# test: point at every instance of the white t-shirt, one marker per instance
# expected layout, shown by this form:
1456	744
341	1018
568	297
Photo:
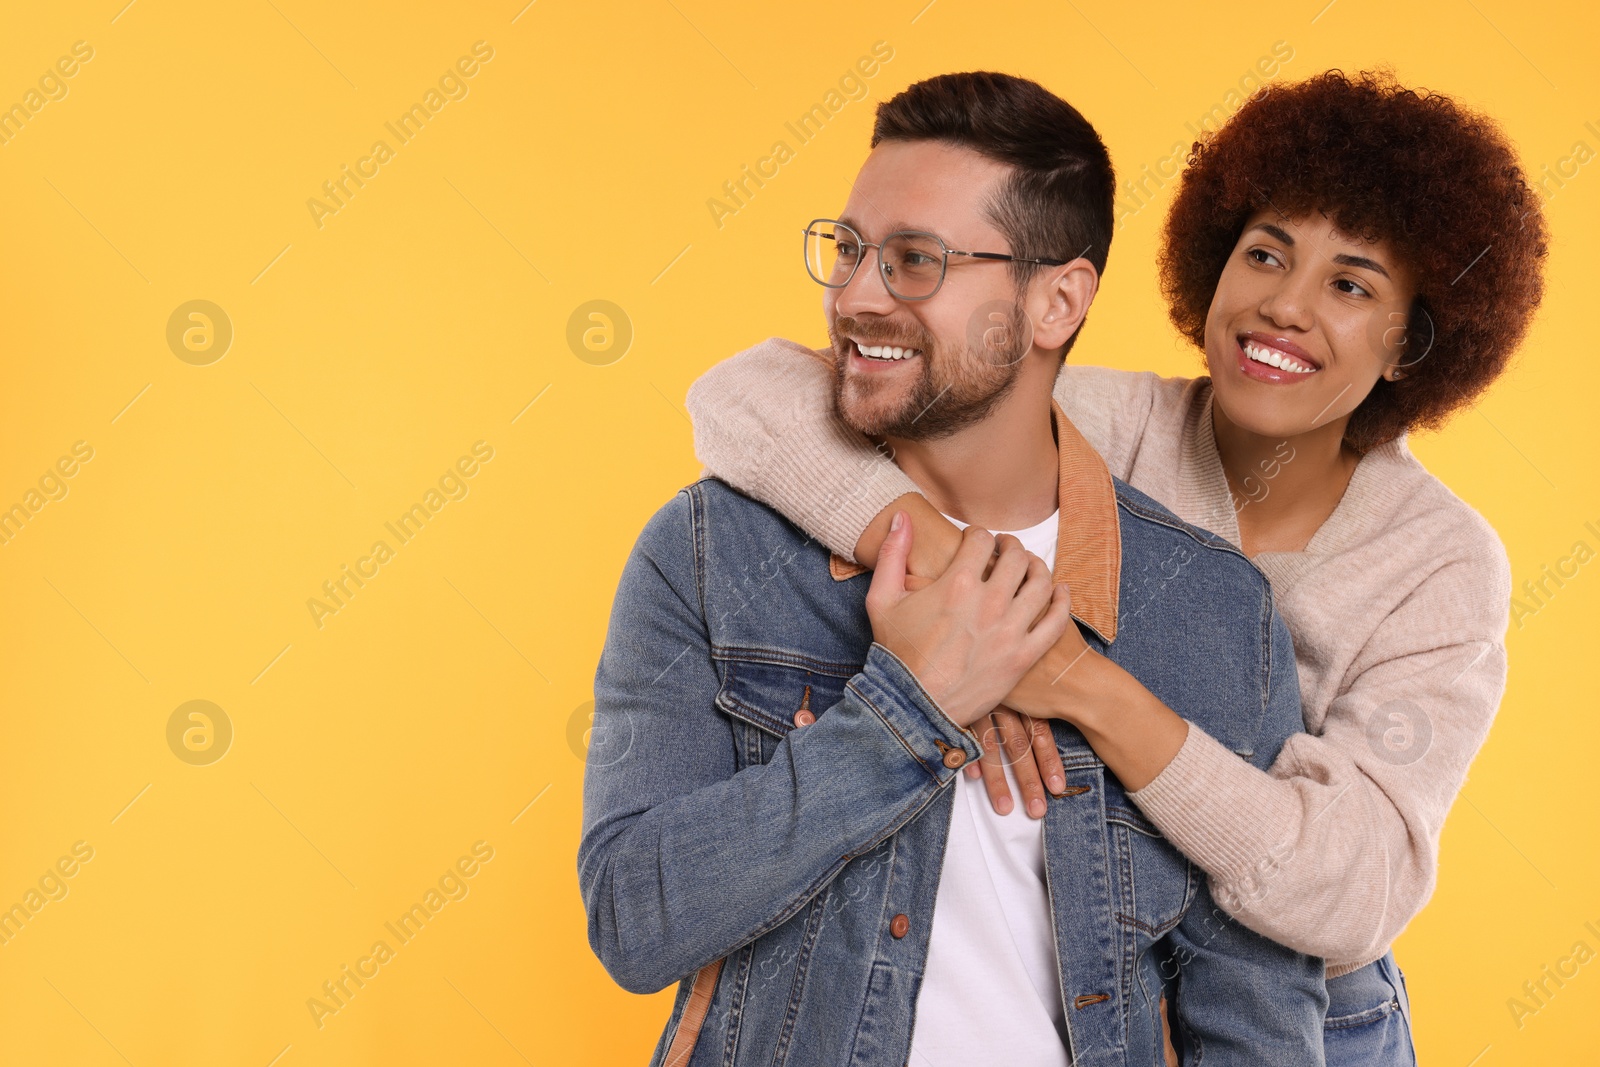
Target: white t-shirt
991	992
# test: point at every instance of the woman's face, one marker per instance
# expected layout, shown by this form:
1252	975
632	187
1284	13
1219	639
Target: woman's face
1304	321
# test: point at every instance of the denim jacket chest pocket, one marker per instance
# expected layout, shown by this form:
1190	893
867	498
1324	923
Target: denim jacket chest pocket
768	699
1155	882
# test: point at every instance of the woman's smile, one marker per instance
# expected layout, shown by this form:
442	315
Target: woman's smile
1273	359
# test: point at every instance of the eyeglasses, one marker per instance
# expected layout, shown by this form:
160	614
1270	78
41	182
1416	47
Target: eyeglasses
912	262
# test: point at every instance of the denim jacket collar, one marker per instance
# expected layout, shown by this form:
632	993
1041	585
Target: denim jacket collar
1088	539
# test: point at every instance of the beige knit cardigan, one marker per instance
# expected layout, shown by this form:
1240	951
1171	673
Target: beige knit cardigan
1397	605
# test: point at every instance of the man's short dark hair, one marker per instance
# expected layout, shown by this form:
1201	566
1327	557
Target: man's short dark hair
1057	201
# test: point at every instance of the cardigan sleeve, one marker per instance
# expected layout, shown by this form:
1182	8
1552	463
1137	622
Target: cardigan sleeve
765	423
1335	848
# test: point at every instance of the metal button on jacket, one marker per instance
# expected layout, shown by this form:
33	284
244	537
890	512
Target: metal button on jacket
954	758
899	925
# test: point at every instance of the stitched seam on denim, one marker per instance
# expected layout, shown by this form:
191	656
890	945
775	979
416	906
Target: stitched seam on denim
758	717
899	819
866	997
895	824
735	1013
1215	541
1156	932
1360	1018
1133	820
1125	853
753	715
1208	539
1191	885
784	658
1266	663
794	907
1151	1003
1128	968
1124	847
797	986
875	842
1203	536
939	715
736	994
898	736
756	743
697	535
1199	534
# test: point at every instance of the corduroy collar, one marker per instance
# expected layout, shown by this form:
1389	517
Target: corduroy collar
1088	535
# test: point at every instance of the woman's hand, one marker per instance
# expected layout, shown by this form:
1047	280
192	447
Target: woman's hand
1029	747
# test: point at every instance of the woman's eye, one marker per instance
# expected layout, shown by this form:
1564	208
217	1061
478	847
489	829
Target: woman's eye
1262	256
1356	289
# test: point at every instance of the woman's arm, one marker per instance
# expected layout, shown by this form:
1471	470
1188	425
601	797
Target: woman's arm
1335	849
765	423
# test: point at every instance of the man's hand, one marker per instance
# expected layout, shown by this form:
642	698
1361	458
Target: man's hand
970	634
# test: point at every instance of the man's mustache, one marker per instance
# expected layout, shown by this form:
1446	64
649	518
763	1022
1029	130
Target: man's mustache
846	328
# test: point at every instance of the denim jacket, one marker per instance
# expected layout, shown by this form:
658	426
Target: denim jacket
784	874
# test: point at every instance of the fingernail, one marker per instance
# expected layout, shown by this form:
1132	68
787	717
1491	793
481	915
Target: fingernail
894	523
1036	808
1003	805
1057	783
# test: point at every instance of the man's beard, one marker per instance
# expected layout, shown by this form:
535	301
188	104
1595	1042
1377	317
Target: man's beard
955	388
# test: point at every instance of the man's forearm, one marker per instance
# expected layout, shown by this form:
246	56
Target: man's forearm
694	875
1129	728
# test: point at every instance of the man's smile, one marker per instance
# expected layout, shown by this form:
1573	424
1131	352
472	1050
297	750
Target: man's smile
876	356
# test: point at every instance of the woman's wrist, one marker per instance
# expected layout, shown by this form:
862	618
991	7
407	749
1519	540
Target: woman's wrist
933	545
1128	726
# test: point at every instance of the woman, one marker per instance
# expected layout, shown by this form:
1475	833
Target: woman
1354	260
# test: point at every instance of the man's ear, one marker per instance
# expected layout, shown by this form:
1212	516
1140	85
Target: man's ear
1060	300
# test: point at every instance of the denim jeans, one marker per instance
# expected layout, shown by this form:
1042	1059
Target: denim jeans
1369	1018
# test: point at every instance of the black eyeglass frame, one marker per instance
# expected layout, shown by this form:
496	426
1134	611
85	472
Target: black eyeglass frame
992	257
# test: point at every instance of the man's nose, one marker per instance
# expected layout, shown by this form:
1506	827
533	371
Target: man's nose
866	290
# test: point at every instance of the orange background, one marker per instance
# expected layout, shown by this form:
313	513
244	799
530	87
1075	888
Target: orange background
366	751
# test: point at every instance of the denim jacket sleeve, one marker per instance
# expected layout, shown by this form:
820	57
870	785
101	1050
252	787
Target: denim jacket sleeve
1243	999
685	857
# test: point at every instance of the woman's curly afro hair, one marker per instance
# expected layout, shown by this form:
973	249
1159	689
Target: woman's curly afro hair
1437	181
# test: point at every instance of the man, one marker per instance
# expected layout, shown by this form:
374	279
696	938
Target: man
773	811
